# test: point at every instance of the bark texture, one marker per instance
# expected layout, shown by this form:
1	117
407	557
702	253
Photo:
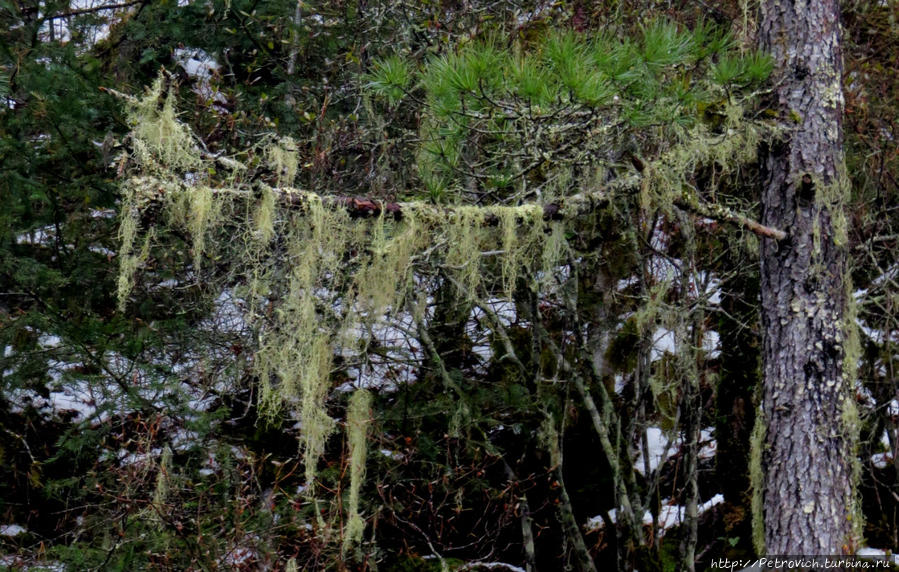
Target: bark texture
808	489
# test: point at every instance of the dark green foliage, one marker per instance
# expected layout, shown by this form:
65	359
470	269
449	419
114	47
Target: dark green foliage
496	118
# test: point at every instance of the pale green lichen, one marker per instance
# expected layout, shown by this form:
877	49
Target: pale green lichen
161	143
757	481
521	230
850	414
358	422
548	438
204	210
381	281
283	157
666	179
163	484
128	261
555	252
464	236
264	216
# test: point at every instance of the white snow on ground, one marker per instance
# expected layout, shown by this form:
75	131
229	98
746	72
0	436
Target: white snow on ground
127	457
664	341
662	447
13	562
78	396
12	530
711	343
659	446
396	456
107	252
670	515
48	341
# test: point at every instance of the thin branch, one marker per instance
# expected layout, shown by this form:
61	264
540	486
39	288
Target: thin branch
724	214
564	208
91	10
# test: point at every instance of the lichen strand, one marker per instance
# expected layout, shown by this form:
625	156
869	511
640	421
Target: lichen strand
128	229
283	157
757	481
464	236
667	178
522	233
832	196
264	216
358	422
163	485
382	279
204	210
161	143
850	414
554	253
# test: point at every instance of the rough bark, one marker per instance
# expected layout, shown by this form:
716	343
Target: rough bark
808	488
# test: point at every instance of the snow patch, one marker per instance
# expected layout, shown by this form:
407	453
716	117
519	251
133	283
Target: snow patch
660	447
670	515
881	460
12	530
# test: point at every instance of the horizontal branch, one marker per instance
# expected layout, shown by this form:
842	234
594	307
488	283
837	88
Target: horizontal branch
570	207
566	208
369	208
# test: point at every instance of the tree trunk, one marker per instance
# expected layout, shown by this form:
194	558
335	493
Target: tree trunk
808	489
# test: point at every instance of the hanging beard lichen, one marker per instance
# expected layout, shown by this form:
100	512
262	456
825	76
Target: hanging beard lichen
380	283
666	180
203	209
161	492
128	230
161	143
316	279
334	274
358	421
522	234
264	217
283	157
